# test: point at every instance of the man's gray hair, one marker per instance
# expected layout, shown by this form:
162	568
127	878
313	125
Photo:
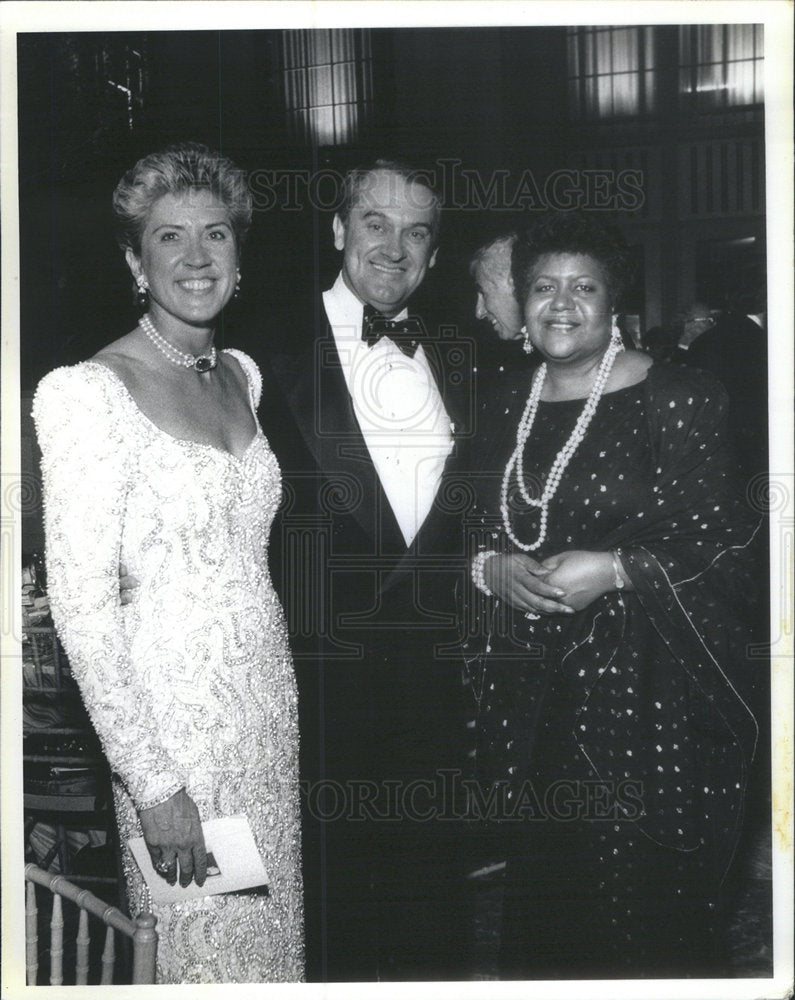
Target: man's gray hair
498	249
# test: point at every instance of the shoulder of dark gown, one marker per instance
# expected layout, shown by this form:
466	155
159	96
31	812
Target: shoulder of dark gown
682	382
499	385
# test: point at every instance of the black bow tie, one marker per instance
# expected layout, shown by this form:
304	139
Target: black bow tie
405	333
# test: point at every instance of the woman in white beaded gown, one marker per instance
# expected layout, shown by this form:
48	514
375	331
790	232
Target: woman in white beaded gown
153	457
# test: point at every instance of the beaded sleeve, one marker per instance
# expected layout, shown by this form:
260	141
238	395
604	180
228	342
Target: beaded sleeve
87	463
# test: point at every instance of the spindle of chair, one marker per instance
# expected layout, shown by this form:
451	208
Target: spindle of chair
56	942
31	934
141	930
83	941
108	957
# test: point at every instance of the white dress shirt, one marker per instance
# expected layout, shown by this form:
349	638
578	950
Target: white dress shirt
399	409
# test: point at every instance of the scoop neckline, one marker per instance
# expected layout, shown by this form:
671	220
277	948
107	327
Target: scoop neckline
605	395
172	437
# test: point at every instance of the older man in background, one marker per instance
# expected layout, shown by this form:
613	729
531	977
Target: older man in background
496	300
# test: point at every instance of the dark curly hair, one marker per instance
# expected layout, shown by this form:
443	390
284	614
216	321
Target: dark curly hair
176	169
572	233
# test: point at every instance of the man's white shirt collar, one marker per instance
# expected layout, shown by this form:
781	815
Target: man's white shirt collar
399	409
345	311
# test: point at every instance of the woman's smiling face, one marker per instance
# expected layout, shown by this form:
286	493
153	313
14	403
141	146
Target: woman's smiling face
567	309
189	257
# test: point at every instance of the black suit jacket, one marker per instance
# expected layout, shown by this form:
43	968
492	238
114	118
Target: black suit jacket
370	619
735	350
381	703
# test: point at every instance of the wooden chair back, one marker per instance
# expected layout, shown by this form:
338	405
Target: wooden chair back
141	931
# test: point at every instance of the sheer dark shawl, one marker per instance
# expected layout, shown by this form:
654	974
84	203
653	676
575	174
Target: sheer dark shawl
690	551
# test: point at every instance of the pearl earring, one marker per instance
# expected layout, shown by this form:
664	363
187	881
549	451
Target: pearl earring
237	287
527	347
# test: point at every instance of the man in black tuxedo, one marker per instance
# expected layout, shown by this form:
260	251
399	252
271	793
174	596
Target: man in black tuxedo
360	410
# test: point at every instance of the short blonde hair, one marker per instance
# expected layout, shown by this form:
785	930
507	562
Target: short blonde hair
187	166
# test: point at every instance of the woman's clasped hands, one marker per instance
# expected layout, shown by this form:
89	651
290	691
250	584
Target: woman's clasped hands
560	584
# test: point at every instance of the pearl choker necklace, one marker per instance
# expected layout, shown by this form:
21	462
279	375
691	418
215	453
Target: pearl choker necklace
563	457
202	362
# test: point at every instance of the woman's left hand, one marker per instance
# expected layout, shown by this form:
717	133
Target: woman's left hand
173	834
583	576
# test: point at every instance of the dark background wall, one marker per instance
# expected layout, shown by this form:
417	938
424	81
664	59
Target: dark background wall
485	100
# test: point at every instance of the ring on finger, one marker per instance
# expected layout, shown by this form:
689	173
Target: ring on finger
162	867
531	616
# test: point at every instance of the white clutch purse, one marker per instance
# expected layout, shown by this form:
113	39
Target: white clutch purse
233	863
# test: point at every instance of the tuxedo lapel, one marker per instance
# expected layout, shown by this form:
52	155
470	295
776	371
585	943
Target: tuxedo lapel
316	392
447	362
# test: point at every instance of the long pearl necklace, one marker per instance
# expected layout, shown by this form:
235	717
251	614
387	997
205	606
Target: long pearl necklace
201	362
564	456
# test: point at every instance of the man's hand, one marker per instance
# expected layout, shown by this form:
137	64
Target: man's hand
173	833
523	583
582	576
127	585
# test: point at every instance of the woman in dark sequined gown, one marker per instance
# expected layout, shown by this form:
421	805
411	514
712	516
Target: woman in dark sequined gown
603	634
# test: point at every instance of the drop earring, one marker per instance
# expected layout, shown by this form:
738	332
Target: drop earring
143	291
237	286
527	347
615	333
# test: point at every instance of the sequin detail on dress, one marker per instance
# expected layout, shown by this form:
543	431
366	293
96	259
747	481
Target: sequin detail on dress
192	684
640	694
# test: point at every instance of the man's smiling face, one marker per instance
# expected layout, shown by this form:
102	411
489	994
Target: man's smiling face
388	240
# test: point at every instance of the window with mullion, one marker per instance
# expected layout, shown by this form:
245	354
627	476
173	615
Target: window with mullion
611	71
327	83
720	65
